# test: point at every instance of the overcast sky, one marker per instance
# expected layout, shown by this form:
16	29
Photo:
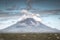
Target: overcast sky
40	4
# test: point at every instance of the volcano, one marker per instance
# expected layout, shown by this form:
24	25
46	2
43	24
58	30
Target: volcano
29	24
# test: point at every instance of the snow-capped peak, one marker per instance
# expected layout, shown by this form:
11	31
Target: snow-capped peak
27	14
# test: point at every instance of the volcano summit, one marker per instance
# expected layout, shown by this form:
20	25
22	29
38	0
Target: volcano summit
29	23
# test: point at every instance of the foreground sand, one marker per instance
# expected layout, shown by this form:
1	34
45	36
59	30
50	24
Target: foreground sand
30	36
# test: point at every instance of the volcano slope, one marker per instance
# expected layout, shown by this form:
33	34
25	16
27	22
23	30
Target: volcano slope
29	25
